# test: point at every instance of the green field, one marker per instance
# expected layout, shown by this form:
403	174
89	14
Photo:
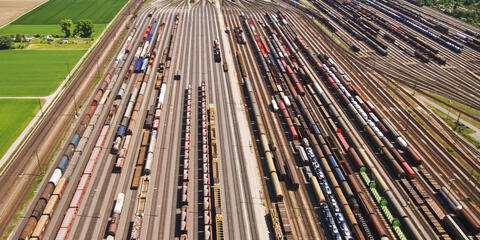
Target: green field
16	114
42	30
99	11
41	67
44	19
34	72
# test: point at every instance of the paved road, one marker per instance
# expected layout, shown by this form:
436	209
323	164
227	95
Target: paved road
475	135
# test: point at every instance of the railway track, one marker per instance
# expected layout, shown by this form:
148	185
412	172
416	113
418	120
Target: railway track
97	213
400	62
149	156
48	133
108	184
376	90
301	228
452	144
257	28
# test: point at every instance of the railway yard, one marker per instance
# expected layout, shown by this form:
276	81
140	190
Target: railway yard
259	120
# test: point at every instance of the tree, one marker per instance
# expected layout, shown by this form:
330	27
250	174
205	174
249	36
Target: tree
18	38
66	26
84	28
5	42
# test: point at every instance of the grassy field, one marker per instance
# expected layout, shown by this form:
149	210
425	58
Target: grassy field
42	30
44	19
34	72
41	67
16	114
99	11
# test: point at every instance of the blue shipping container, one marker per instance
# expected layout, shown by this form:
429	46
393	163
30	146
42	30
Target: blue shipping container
62	165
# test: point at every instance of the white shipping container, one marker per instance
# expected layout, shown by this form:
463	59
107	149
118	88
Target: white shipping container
287	101
119	204
57	174
274	105
402	142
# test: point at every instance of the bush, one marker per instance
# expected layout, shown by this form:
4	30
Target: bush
5	42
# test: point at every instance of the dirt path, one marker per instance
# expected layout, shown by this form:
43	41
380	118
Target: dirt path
11	9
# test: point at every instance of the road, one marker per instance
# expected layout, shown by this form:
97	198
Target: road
475	134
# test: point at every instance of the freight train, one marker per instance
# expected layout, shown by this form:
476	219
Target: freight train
53	191
416	27
398	209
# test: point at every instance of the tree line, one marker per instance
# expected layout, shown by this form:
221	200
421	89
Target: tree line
84	27
466	10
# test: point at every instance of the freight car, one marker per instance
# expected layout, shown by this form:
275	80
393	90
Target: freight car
405	220
454	229
366	110
121	130
415	26
452	202
421	56
379	230
472	33
340	222
388	38
183	219
465	216
373	134
207	196
57	182
439	27
264	141
117	210
216	51
398	209
468	221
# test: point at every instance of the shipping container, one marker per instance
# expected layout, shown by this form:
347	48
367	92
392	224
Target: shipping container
77	198
60	188
51	205
69	217
42	223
